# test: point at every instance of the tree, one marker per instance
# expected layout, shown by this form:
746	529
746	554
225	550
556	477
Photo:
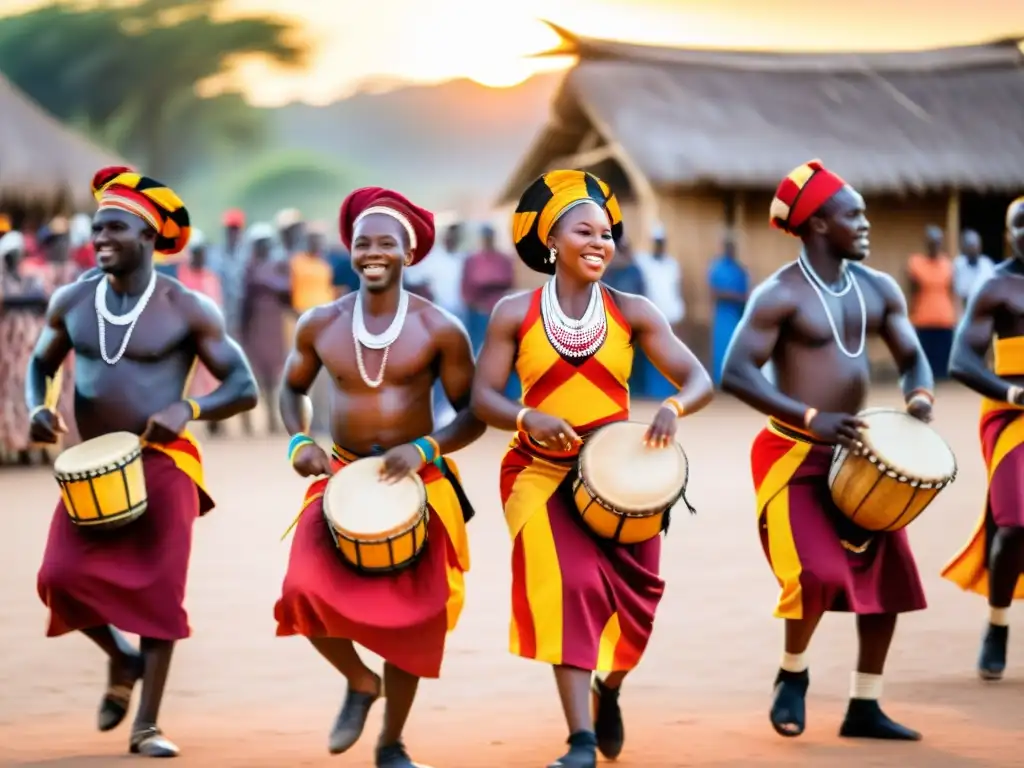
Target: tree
311	182
132	73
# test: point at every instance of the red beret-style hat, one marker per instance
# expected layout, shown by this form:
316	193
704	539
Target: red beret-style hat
417	222
801	194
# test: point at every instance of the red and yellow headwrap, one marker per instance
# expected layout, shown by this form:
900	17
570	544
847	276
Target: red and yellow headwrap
548	199
156	204
801	194
417	222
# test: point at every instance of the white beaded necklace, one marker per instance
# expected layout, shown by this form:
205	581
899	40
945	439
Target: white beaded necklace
571	337
851	282
363	338
130	318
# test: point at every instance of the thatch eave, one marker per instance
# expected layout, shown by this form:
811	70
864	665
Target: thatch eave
42	160
893	123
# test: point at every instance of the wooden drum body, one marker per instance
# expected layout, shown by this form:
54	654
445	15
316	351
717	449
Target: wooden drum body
901	468
378	528
102	481
623	489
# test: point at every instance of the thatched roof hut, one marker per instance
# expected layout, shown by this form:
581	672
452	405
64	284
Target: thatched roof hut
698	139
42	162
895	122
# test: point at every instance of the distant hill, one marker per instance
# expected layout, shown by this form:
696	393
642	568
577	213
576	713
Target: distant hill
441	144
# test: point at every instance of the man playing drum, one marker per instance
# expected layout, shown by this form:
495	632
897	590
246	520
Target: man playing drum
384	349
813	328
992	563
579	604
136	337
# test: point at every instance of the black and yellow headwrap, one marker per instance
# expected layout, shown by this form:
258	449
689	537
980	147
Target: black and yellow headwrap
153	202
545	201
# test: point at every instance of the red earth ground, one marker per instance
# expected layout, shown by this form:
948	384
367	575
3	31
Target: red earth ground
239	696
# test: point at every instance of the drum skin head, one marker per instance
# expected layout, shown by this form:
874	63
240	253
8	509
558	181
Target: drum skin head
627	474
907	445
357	501
97	452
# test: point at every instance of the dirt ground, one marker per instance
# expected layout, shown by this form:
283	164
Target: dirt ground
238	696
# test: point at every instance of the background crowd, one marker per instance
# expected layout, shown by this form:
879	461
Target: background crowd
263	275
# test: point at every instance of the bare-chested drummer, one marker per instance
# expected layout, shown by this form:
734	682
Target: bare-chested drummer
992	563
136	336
812	320
384	349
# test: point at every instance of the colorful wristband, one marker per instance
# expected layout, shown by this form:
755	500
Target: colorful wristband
428	449
196	410
297	443
435	445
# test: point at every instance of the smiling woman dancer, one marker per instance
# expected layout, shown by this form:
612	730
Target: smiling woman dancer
577	604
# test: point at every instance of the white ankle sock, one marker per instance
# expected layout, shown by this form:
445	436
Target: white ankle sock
999	617
865	686
794	662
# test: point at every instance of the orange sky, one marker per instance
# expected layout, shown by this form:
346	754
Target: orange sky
487	40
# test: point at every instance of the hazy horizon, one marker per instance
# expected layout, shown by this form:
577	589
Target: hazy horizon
396	42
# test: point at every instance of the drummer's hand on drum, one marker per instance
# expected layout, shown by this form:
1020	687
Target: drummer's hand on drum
46	426
920	409
312	461
663	428
550	431
401	461
842	428
165	426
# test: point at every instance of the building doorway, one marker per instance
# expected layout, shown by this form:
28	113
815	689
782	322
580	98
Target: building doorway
986	215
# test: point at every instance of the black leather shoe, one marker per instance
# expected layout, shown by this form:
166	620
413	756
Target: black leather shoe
607	719
992	659
866	720
582	752
395	756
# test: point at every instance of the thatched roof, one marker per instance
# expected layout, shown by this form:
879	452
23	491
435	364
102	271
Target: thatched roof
889	122
40	158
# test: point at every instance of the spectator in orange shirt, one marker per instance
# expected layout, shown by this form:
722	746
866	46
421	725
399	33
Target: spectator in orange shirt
932	301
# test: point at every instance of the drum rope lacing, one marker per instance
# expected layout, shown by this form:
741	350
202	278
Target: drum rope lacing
851	282
363	338
130	318
571	337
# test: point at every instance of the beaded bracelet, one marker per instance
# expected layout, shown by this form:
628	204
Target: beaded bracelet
299	441
196	410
